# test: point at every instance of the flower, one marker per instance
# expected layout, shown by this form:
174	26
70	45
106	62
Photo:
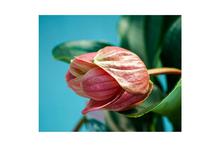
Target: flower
112	78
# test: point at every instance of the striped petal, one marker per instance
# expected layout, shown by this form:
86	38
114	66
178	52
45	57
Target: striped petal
81	64
99	85
128	100
97	105
75	84
125	67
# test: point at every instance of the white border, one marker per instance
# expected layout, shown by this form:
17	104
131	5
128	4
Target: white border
19	71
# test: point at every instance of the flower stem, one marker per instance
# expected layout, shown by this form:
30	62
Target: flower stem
79	124
164	70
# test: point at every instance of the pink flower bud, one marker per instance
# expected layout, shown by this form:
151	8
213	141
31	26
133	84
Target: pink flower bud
113	78
99	85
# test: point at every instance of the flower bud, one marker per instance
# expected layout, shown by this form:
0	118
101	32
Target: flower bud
113	78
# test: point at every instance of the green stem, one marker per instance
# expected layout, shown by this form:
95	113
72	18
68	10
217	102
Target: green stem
164	70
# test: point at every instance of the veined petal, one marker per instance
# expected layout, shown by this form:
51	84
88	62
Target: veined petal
75	84
69	76
97	105
125	67
99	85
128	100
81	64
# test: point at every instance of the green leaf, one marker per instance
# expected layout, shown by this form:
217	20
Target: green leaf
66	51
167	22
171	51
169	106
141	34
171	102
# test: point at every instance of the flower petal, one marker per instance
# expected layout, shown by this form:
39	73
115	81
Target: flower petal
75	84
81	64
97	105
128	100
99	85
125	67
69	76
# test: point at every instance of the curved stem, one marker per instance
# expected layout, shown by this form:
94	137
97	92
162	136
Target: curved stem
79	124
164	70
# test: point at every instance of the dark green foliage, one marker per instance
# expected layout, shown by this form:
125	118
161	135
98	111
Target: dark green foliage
171	51
66	51
141	34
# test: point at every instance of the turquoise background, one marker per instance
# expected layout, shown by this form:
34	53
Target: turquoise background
59	107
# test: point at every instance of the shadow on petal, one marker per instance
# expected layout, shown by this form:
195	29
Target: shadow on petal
129	100
97	105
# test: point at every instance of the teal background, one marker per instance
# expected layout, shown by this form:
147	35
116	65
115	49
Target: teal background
59	107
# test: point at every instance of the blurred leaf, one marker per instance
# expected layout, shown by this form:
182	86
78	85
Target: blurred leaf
119	122
168	20
145	107
95	125
66	51
141	34
158	123
171	51
95	121
171	106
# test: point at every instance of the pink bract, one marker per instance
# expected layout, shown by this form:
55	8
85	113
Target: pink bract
112	78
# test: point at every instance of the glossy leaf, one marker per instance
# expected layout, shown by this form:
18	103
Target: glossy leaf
171	106
167	23
68	50
168	20
171	102
171	51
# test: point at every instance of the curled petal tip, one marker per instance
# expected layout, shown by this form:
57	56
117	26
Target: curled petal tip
93	105
82	64
129	100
